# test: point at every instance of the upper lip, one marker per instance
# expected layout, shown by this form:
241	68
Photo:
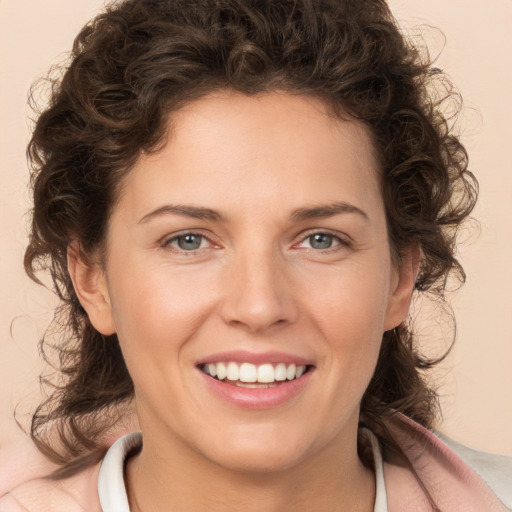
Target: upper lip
241	356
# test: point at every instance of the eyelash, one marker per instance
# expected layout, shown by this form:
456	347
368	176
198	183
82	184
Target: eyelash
341	241
166	243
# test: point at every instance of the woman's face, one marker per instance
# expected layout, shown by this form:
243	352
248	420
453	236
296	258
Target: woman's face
253	243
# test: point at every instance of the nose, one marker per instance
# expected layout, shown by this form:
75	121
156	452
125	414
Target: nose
259	293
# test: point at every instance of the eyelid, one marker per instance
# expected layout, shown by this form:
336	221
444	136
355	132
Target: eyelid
344	239
165	241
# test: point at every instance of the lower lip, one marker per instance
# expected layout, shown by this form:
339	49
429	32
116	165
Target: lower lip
257	398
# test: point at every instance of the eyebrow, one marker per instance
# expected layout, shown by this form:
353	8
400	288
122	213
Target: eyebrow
328	210
194	212
299	215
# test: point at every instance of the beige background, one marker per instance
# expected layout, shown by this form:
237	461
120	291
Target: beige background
476	381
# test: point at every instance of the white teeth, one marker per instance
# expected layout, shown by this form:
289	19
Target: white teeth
280	372
290	371
299	371
255	385
212	369
221	371
232	372
254	374
248	372
266	373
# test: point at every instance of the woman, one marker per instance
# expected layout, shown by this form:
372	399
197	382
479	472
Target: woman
236	201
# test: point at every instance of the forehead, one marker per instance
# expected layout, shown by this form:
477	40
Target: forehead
253	149
259	120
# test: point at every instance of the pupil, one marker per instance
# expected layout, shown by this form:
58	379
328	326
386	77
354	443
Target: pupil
189	242
321	241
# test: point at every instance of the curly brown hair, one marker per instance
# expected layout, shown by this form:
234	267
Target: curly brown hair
141	60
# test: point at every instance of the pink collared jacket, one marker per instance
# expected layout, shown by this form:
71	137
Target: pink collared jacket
445	476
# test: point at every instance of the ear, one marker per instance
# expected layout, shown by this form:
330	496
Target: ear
90	285
402	287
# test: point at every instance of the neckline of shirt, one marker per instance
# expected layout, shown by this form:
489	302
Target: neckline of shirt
112	489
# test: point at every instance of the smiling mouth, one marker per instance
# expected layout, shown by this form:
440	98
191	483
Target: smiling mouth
248	375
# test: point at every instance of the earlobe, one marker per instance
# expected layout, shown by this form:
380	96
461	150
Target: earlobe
403	287
90	286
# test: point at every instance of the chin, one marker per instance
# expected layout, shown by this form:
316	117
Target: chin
258	455
259	462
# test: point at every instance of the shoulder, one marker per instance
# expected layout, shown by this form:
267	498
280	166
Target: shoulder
495	470
74	494
455	476
25	485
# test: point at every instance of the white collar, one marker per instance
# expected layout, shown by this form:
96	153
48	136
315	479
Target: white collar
112	491
111	488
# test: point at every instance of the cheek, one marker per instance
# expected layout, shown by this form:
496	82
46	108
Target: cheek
352	303
160	310
350	315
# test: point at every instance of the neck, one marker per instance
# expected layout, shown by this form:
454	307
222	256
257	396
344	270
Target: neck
173	477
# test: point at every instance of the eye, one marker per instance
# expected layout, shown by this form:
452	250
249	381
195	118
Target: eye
188	242
322	241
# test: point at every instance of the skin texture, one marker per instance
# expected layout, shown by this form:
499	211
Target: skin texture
256	283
